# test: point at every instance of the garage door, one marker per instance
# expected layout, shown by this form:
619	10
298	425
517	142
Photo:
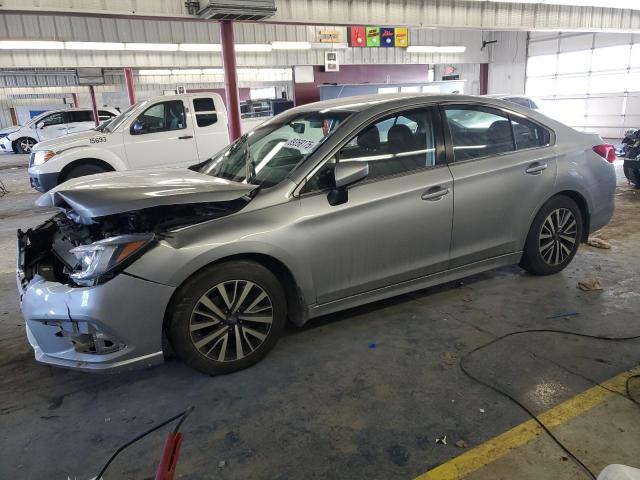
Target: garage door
590	81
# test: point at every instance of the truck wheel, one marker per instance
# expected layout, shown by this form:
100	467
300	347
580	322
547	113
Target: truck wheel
633	175
82	171
226	317
25	144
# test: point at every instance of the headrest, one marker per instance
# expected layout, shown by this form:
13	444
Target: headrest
369	139
499	131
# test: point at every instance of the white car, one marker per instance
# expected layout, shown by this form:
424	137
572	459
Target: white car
174	130
522	100
53	124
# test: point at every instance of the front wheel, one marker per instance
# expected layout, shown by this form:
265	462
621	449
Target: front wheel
553	238
226	317
82	171
633	175
24	145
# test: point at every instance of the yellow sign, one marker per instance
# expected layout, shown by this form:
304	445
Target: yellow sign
402	37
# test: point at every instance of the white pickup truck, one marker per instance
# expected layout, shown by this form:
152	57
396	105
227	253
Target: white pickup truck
174	130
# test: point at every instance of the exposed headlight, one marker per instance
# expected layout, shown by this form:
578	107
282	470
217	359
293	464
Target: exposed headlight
101	260
41	156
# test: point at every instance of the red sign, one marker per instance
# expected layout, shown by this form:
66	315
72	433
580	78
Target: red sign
357	37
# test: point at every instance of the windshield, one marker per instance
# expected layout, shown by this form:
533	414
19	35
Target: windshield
266	155
120	119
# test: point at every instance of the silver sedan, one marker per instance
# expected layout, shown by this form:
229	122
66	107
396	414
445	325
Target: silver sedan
325	207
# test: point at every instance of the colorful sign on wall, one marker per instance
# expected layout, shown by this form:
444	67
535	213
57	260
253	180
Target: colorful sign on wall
402	37
378	37
357	37
373	36
387	37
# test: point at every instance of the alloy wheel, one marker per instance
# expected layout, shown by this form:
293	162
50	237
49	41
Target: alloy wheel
231	320
558	236
26	144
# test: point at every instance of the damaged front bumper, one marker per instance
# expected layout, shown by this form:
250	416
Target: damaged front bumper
113	326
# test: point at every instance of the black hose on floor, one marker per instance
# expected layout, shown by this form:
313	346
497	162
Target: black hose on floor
571	455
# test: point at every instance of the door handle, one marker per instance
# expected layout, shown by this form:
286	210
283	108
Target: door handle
185	137
536	168
61	128
435	193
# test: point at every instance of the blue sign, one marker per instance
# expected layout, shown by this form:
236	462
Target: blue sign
387	37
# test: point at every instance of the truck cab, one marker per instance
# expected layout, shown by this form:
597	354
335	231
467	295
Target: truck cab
172	130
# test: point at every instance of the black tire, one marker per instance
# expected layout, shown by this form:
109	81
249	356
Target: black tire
633	175
82	170
182	316
24	145
539	256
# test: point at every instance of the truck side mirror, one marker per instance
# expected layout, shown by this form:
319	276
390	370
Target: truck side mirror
138	128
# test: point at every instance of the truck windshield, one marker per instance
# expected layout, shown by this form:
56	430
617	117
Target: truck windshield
266	155
117	121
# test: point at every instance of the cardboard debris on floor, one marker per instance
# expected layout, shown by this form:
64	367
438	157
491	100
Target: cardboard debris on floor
598	243
592	285
461	444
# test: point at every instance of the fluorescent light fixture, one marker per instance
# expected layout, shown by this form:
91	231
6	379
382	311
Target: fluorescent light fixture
200	47
329	45
187	71
252	47
94	46
30	45
291	45
152	47
435	49
154	72
213	71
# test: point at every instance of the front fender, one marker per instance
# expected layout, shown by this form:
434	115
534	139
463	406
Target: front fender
80	152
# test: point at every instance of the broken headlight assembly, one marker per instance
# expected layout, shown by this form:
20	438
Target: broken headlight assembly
100	261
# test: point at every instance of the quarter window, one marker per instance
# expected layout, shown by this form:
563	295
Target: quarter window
478	131
205	111
161	117
528	134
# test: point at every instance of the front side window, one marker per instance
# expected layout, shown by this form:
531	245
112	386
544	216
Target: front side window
104	115
53	119
478	131
266	155
205	111
161	117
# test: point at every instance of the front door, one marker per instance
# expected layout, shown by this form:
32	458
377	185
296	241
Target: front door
52	126
502	170
396	224
162	135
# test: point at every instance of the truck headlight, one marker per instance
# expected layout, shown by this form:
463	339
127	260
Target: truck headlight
41	156
101	260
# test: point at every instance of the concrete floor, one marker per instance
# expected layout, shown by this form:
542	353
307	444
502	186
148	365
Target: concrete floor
325	405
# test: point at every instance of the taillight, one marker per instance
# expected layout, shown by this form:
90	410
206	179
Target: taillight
606	151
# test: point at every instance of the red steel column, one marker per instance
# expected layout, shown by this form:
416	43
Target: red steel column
128	80
94	106
74	98
230	79
484	78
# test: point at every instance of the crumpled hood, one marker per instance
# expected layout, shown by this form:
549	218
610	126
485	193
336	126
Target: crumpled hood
79	139
117	192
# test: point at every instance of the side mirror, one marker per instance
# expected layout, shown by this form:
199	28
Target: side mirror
298	127
346	174
40	126
138	127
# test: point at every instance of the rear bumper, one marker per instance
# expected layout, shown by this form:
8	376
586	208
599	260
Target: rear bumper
109	327
602	210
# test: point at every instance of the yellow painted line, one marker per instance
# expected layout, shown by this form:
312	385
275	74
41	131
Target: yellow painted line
498	447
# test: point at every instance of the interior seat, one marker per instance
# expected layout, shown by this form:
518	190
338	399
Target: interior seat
499	137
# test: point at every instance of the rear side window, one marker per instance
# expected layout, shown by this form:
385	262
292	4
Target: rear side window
528	134
478	131
80	116
205	111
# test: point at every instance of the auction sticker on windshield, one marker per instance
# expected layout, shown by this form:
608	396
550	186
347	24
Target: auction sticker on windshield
305	146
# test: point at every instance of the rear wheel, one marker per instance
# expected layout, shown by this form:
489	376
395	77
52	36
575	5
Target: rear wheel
553	238
633	175
227	317
82	171
25	144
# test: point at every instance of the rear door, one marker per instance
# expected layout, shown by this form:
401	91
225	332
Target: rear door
210	126
396	224
80	121
162	135
503	169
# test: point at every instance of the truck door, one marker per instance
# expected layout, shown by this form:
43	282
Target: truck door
162	135
210	123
